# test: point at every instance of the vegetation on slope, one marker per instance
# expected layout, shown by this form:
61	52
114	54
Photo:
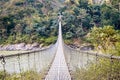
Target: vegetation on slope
103	70
36	20
79	17
26	21
33	21
107	40
28	75
105	36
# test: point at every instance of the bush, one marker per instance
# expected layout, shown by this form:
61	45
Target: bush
28	75
68	41
50	40
103	70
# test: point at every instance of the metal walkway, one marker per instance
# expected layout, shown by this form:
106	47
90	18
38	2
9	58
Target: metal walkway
59	69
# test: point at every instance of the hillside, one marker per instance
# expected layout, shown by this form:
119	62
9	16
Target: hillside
24	20
31	21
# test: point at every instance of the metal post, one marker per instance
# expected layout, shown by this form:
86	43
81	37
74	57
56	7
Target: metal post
41	59
87	58
28	61
4	70
96	65
118	70
14	66
111	67
34	62
19	65
82	60
78	58
39	67
70	63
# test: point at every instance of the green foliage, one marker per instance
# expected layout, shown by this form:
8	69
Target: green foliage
26	21
110	16
50	40
115	4
79	19
69	35
31	17
28	75
102	70
106	38
68	41
29	39
10	40
2	41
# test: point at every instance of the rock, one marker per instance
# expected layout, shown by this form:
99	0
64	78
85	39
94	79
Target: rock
89	47
74	46
35	45
6	47
11	47
20	46
28	47
41	45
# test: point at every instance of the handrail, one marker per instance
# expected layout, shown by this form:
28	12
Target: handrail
23	53
95	53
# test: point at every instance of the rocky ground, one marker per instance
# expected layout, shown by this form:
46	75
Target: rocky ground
37	46
82	47
20	46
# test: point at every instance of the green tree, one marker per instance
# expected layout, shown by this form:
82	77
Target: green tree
104	38
110	16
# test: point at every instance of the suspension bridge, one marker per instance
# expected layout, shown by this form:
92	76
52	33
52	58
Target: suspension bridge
59	60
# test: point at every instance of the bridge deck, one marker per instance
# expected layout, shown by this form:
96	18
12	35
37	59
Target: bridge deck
59	69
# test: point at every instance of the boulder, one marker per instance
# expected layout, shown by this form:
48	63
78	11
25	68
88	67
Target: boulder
28	47
20	46
35	45
6	47
11	47
41	45
74	46
86	48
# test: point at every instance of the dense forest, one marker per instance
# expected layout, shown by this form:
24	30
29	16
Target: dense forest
27	21
31	21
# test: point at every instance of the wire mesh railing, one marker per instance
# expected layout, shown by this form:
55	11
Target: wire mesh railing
34	60
84	65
